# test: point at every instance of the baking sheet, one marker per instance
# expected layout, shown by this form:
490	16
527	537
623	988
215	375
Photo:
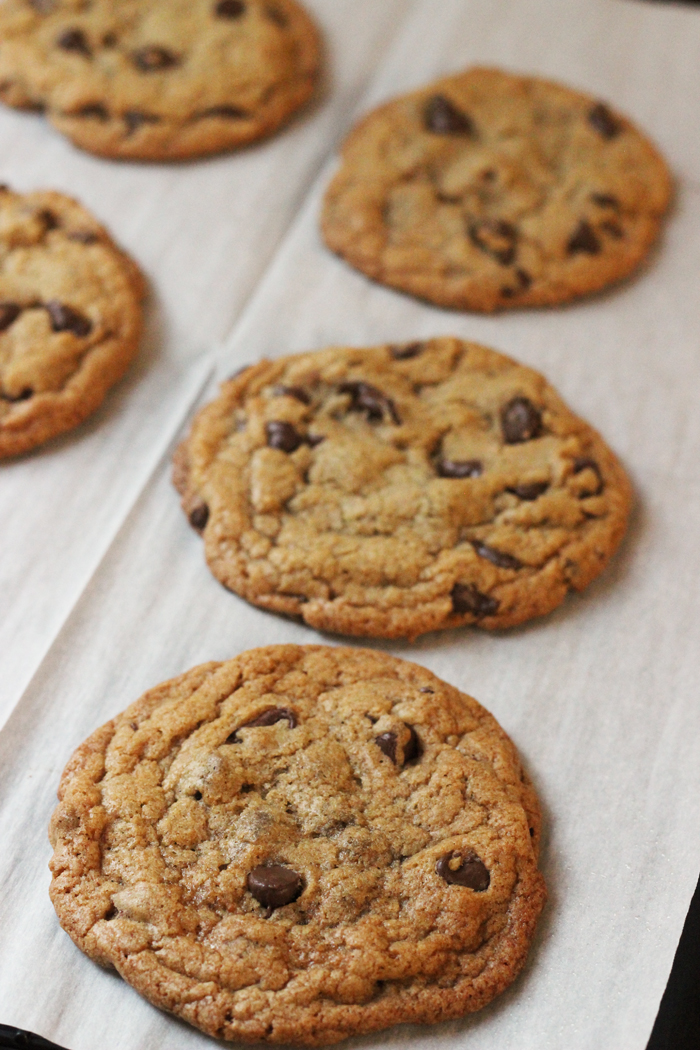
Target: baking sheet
601	696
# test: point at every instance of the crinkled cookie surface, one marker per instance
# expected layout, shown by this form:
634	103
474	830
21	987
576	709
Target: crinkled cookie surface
301	844
487	190
400	489
70	316
158	79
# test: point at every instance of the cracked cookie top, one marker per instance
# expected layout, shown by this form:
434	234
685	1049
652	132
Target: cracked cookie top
487	190
396	490
301	844
158	79
70	316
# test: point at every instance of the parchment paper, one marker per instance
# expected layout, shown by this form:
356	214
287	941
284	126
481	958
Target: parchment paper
600	697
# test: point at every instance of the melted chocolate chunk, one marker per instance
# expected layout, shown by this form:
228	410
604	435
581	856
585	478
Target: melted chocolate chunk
135	119
467	599
583	240
366	398
153	59
270	717
48	218
74	40
496	238
442	117
605	200
472	872
199	516
224	113
584	463
388	743
520	421
283	436
529	491
296	392
274	885
229	9
93	110
603	121
404	353
496	557
9	312
66	319
460	468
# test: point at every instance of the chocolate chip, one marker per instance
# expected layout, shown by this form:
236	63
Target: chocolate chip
224	113
74	40
199	516
524	283
605	200
66	319
366	398
467	599
496	557
283	436
412	748
274	885
520	421
153	59
197	796
9	312
529	492
460	468
82	236
472	872
313	440
92	110
111	913
269	717
296	392
23	396
135	119
409	350
386	742
583	240
584	463
496	238
109	40
48	218
443	118
229	9
603	121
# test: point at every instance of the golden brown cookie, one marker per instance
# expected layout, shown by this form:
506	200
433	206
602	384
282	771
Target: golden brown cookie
70	316
299	845
158	79
487	190
401	489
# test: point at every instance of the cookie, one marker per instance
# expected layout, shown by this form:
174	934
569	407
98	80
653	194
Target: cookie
487	191
158	79
401	489
70	316
301	844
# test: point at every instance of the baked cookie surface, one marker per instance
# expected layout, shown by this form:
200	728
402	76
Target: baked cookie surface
397	490
158	79
487	190
301	844
70	316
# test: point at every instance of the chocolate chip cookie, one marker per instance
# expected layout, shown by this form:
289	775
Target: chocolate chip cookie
487	190
70	316
158	79
400	489
299	845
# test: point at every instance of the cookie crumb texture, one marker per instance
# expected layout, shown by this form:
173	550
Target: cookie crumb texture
401	489
70	316
158	79
486	191
299	845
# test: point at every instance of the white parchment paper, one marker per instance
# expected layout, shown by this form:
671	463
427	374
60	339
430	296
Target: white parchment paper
601	697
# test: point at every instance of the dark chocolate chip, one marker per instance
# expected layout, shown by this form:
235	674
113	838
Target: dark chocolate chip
603	121
443	118
496	557
520	421
48	218
584	463
583	240
82	236
386	742
199	516
9	312
135	119
366	398
229	9
269	717
467	599
313	440
152	59
66	319
472	872
92	110
612	227
412	749
197	796
274	885
409	350
296	392
460	468
529	492
224	113
74	40
283	436
23	396
496	238
111	913
605	200
524	279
